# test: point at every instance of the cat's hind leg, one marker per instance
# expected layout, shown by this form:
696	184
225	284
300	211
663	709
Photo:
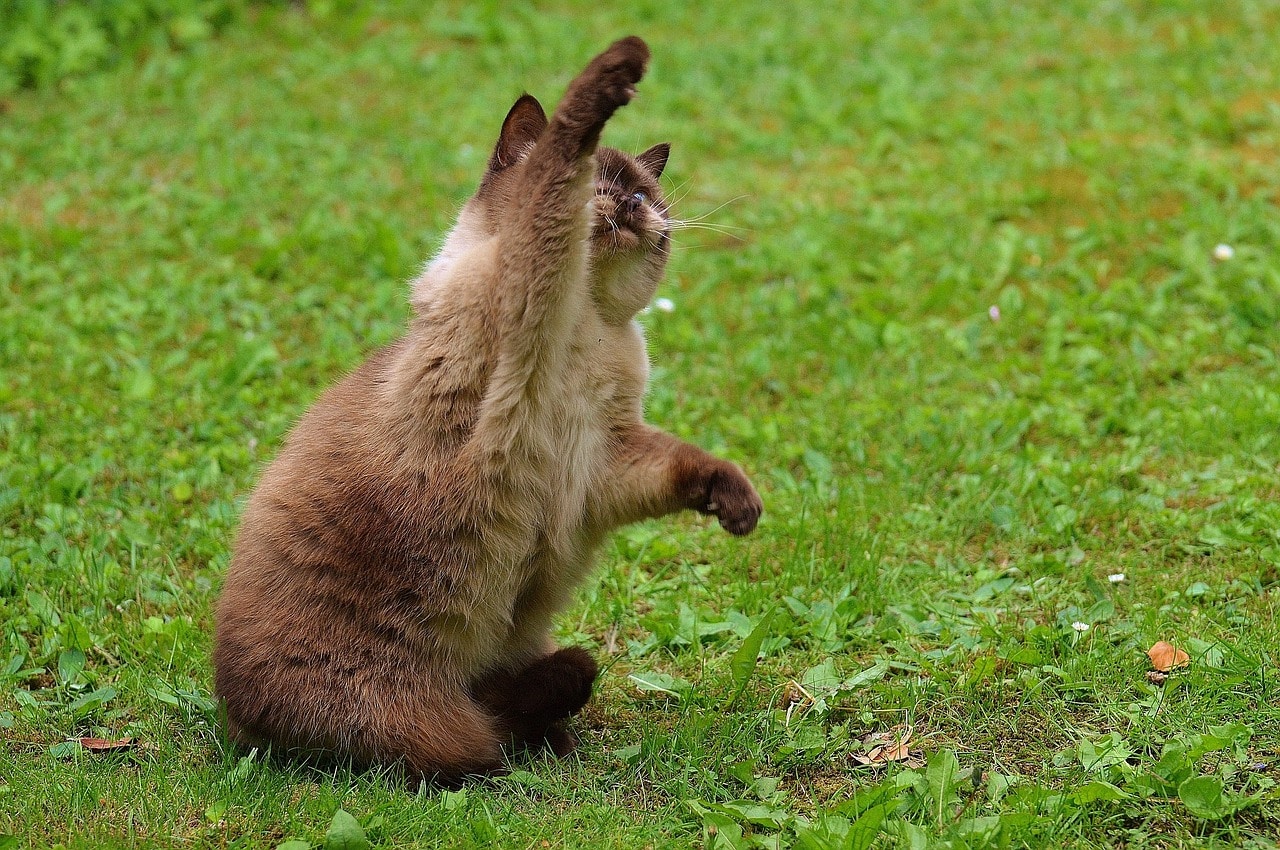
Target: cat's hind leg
532	703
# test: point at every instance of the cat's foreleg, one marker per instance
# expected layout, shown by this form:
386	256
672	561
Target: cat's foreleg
545	227
654	474
543	240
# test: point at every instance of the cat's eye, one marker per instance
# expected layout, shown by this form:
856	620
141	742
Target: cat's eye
640	197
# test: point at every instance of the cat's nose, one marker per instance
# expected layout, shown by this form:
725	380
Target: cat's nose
629	204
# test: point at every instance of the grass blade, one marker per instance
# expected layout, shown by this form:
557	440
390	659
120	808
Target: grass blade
744	661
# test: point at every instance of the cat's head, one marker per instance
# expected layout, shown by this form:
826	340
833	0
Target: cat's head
630	231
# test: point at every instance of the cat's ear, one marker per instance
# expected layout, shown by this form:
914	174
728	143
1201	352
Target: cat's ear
655	159
521	129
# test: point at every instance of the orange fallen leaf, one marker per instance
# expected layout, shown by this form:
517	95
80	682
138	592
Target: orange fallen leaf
893	745
102	745
1165	657
897	735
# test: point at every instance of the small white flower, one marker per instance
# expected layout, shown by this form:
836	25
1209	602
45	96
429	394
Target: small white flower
1115	578
666	305
1223	252
1080	627
994	312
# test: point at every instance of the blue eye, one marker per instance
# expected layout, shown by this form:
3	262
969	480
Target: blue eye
640	197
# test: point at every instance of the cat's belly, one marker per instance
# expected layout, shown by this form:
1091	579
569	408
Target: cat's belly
557	548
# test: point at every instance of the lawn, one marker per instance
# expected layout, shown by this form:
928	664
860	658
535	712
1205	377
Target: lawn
987	303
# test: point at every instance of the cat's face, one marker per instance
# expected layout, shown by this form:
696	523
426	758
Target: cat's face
628	211
630	231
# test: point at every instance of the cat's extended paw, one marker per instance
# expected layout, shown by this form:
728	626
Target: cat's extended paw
733	501
606	84
614	73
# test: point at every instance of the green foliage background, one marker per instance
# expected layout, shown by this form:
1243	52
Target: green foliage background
44	41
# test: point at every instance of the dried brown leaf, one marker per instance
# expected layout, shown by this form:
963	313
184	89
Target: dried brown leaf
897	753
866	758
1165	657
893	745
897	735
103	745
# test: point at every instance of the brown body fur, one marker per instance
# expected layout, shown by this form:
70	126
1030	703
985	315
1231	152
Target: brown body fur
392	587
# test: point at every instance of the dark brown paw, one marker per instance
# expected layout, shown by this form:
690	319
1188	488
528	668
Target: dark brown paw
606	84
560	741
573	671
733	500
615	73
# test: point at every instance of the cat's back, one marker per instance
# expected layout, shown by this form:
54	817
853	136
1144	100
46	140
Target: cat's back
336	504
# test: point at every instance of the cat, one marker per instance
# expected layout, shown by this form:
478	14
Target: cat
391	591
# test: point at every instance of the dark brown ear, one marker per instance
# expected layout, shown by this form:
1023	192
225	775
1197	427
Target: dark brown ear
655	159
522	127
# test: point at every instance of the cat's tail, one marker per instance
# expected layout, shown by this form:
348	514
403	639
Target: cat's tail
433	734
443	741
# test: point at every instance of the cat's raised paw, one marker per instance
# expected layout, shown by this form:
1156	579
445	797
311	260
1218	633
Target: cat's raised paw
619	68
608	82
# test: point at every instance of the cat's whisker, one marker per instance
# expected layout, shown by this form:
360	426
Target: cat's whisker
673	247
679	192
685	223
699	222
717	209
723	230
616	176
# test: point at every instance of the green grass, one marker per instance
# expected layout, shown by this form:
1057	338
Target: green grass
193	245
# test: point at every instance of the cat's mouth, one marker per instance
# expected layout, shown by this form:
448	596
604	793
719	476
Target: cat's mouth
614	235
620	226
